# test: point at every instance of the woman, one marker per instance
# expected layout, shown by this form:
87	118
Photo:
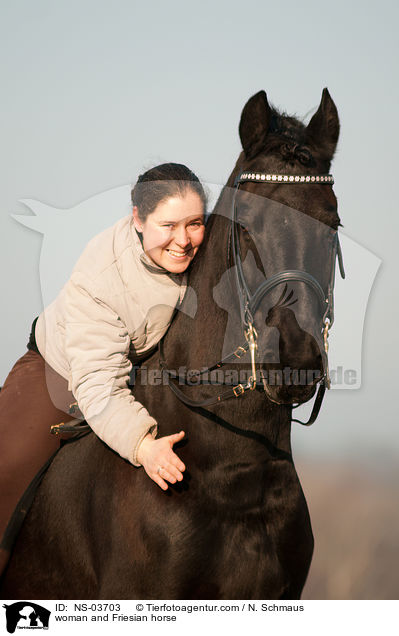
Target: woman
116	306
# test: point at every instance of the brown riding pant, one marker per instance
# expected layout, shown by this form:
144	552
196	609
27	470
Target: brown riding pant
33	398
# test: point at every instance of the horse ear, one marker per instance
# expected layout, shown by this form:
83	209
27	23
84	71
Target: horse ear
254	124
323	128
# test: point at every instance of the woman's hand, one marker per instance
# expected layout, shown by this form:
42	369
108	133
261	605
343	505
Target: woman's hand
159	461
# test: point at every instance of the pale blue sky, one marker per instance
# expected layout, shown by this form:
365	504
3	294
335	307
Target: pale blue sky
94	92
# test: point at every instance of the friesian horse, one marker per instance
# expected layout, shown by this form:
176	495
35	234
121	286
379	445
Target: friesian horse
260	303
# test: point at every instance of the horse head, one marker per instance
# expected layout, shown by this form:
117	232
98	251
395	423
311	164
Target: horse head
285	213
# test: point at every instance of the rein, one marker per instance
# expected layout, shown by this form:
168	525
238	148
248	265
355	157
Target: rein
249	303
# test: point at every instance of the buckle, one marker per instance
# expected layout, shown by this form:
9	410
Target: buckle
55	428
238	390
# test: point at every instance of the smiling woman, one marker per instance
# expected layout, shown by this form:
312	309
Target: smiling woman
114	309
173	232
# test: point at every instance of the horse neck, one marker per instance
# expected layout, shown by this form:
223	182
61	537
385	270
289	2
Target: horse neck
207	273
196	334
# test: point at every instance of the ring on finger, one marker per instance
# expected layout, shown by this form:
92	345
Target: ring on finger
159	469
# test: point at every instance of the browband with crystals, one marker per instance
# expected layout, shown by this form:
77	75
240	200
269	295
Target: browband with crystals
285	178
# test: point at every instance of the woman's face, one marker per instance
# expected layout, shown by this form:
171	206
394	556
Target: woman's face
173	232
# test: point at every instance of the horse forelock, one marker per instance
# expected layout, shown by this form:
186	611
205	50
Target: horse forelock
287	125
287	144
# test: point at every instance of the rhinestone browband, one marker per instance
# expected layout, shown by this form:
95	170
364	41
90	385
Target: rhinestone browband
286	178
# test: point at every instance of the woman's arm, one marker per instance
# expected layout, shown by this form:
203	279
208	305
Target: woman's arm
97	346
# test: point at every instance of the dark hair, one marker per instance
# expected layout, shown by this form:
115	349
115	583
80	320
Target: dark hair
160	183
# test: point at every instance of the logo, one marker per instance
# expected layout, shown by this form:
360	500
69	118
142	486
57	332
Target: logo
80	223
26	615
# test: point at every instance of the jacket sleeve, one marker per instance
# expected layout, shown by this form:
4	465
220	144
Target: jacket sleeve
97	346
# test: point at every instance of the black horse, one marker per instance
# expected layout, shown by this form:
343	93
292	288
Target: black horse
238	525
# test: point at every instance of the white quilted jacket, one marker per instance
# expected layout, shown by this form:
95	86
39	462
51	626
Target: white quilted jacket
115	300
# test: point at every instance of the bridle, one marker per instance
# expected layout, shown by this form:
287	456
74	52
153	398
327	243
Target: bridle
249	302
